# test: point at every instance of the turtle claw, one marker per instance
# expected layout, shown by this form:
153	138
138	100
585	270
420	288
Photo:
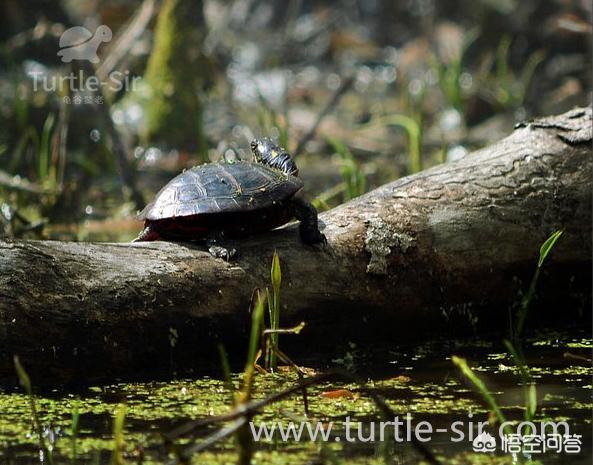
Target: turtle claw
218	251
314	237
323	241
318	242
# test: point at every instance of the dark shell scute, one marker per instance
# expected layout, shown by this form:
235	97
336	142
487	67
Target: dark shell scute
221	187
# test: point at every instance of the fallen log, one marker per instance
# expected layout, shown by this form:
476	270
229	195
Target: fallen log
448	245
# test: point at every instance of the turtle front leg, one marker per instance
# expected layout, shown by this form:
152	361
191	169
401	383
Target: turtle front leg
309	227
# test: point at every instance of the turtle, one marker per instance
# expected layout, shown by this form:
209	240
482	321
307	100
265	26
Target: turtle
78	43
214	201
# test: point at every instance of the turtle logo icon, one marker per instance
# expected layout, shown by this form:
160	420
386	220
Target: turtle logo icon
78	43
484	442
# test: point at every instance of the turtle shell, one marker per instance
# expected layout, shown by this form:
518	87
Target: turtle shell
222	188
74	36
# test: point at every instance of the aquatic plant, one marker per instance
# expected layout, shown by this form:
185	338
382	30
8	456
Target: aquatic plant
412	126
74	434
450	73
119	443
517	330
243	434
45	451
480	386
504	87
274	311
529	386
353	177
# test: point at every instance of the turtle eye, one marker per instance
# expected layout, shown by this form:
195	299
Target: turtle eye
256	149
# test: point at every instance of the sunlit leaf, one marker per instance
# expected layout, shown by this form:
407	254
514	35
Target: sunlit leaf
544	250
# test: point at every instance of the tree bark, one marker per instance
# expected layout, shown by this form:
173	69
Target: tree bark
446	248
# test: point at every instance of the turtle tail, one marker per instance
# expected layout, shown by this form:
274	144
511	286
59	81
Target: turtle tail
149	233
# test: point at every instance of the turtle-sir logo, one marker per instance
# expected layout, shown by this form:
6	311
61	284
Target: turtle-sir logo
484	442
78	43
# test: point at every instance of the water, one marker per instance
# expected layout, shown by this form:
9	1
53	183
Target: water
421	381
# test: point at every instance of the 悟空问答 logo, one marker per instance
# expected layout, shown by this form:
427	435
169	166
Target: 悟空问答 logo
484	442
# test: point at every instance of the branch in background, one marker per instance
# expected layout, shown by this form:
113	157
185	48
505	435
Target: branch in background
119	145
18	183
333	102
43	30
131	33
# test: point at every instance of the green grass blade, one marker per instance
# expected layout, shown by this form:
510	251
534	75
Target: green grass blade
531	402
414	132
268	347
354	180
117	457
461	363
525	377
528	72
74	434
24	379
503	72
530	387
546	247
226	368
544	251
276	274
45	148
28	136
274	305
25	382
256	327
257	319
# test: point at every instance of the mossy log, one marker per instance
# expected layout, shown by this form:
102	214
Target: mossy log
445	249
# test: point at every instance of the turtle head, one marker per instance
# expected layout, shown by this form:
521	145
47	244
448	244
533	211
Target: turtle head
268	153
104	33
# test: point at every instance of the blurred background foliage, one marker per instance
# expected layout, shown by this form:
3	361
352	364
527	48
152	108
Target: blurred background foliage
361	91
